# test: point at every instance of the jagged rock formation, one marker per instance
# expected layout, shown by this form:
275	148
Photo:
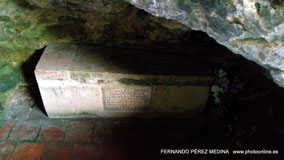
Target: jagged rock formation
252	28
27	25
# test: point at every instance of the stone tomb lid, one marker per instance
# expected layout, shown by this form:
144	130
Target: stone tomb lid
87	58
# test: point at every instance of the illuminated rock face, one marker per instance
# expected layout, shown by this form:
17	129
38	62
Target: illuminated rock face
252	28
27	25
84	81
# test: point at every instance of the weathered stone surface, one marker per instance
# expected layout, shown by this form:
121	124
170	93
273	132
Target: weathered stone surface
252	28
181	100
27	25
78	80
19	104
126	99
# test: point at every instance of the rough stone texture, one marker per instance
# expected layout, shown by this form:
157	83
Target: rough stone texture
85	81
252	28
27	25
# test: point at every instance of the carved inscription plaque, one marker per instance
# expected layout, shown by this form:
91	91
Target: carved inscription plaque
127	99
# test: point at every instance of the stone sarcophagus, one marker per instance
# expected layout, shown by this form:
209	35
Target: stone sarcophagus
77	80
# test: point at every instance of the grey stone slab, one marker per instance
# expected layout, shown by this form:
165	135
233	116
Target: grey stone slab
78	80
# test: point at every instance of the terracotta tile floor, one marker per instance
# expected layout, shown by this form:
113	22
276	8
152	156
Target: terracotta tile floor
35	137
28	134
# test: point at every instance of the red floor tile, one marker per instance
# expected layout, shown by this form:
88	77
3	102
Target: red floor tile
5	129
87	152
57	151
25	131
6	148
106	131
52	132
116	152
79	131
27	151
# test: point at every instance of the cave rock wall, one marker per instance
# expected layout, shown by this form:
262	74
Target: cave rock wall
251	28
27	25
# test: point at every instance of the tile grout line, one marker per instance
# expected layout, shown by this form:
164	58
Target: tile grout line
38	132
13	150
40	156
16	144
93	131
101	145
35	139
72	152
44	144
66	129
102	151
73	144
11	129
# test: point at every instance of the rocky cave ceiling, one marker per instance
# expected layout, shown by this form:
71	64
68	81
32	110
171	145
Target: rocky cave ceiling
251	28
27	25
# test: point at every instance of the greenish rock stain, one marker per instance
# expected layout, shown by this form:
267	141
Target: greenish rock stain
10	76
277	3
3	95
154	82
237	21
81	76
83	114
257	6
27	25
129	81
1	107
249	40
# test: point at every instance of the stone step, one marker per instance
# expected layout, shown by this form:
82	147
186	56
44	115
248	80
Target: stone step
77	80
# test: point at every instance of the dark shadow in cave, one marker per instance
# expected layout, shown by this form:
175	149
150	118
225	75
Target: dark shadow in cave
28	68
207	131
197	46
198	133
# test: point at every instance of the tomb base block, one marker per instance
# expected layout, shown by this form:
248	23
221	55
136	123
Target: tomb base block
82	81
